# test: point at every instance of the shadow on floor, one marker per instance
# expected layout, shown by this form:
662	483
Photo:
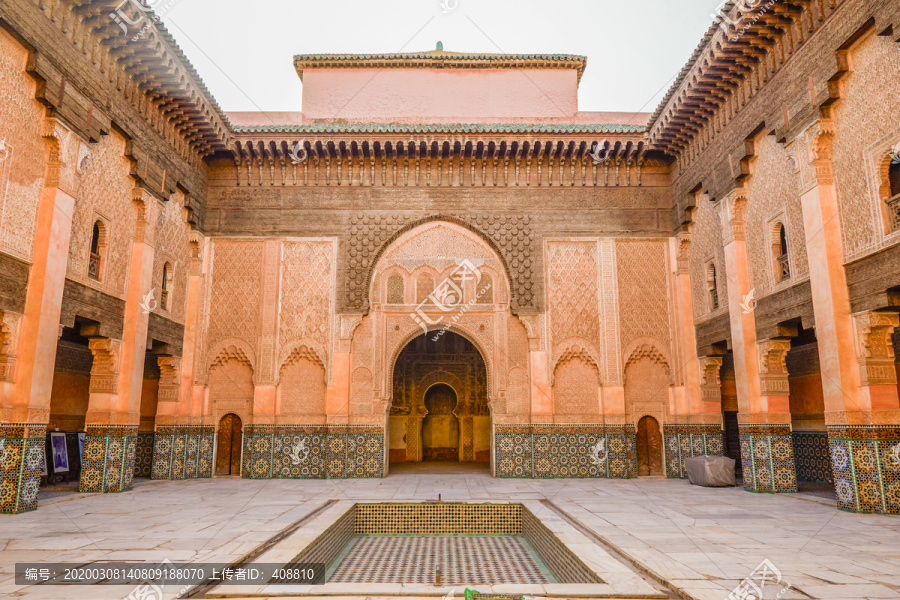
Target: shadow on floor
438	467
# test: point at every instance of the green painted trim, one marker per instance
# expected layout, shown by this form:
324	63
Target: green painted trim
496	128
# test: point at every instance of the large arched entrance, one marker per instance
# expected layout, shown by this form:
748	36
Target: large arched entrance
228	450
439	412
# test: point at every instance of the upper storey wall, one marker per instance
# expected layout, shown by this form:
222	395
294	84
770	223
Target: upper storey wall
448	95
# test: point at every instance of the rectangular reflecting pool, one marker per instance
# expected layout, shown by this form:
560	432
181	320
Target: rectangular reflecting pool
469	543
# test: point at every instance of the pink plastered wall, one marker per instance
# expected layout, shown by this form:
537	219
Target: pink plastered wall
448	95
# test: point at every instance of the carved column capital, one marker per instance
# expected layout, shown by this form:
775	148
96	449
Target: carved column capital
821	150
874	348
773	373
731	214
683	239
9	343
60	173
169	372
710	383
105	370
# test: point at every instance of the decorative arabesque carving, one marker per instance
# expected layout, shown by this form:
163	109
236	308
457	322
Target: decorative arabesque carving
512	236
573	285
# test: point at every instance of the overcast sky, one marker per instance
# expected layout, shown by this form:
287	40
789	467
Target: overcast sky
243	49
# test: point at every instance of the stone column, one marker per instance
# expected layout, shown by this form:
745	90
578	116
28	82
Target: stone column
767	451
28	366
865	454
109	445
764	419
184	445
111	423
697	429
861	406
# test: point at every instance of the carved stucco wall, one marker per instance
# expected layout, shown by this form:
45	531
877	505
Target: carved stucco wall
645	306
436	248
173	247
706	246
512	236
274	300
866	127
773	194
22	171
105	193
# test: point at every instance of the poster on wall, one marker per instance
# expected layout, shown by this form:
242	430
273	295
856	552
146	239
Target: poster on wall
81	446
60	457
44	461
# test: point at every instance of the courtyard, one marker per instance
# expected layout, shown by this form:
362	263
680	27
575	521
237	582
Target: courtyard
681	539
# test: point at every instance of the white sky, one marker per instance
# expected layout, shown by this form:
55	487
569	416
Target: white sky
243	49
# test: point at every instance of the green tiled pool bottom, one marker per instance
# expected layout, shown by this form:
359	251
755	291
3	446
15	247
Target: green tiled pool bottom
477	543
463	560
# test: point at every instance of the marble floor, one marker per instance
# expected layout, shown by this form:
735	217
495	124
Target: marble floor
700	543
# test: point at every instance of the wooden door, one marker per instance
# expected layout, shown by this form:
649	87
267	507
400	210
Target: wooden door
228	452
649	447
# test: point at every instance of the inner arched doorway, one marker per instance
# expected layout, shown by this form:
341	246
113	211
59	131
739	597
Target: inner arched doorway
228	447
649	447
440	427
439	408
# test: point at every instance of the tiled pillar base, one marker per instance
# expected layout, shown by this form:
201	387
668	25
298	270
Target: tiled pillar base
183	451
866	464
312	452
685	441
21	461
549	451
108	463
767	457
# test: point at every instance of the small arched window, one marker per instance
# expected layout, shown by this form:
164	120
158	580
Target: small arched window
711	287
424	287
781	262
165	296
97	258
894	201
395	289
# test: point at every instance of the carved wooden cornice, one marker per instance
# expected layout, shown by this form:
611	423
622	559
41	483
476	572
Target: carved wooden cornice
440	161
741	52
134	60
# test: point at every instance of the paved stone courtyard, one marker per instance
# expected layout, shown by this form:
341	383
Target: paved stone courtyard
700	541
